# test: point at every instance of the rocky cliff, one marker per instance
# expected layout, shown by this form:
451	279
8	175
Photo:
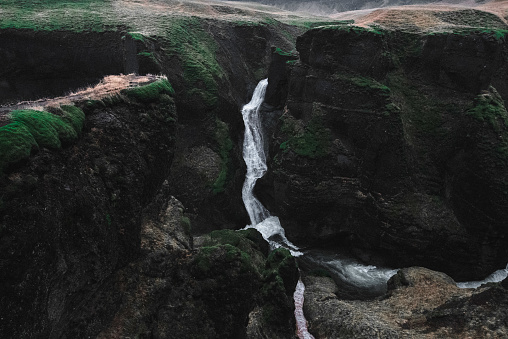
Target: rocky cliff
387	144
394	144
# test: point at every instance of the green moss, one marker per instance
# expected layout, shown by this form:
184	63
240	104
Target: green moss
225	145
47	15
422	111
196	49
47	129
151	92
207	256
312	141
31	129
137	36
16	143
489	107
74	116
370	84
281	52
278	257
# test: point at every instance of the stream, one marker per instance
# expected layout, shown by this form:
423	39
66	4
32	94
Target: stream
354	279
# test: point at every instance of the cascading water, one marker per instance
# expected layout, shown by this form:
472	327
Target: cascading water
255	159
269	226
347	270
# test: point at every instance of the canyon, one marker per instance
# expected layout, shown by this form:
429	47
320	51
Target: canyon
121	209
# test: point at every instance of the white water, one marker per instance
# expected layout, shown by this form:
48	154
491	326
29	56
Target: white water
497	276
269	226
255	159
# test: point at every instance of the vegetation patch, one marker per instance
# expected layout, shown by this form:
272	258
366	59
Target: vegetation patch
312	140
370	83
209	256
197	51
30	129
489	107
151	92
422	111
225	145
283	53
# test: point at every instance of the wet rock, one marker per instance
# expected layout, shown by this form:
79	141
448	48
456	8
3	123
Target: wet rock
420	304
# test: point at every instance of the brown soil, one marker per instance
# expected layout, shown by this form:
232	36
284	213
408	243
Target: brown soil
109	86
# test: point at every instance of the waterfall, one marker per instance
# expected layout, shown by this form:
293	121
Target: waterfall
269	226
255	159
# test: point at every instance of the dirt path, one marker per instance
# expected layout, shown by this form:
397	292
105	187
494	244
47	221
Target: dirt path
110	85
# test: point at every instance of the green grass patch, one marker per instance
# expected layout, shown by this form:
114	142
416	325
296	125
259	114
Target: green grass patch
283	53
225	145
74	116
196	49
151	92
16	143
489	107
48	130
30	129
370	84
137	36
47	15
421	112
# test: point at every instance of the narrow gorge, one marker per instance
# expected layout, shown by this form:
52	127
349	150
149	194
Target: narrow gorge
223	169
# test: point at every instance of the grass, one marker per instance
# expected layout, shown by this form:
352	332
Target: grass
30	129
225	145
48	15
489	107
151	92
281	52
370	84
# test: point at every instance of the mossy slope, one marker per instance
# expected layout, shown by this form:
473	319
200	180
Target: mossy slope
30	130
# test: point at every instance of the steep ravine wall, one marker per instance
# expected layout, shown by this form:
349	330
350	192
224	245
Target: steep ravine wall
393	146
91	233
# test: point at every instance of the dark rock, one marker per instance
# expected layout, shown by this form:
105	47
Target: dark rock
278	77
385	150
504	283
77	216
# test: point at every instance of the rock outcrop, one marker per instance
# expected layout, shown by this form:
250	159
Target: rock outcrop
420	303
394	144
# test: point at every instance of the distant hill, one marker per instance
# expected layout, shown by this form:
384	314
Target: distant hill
331	6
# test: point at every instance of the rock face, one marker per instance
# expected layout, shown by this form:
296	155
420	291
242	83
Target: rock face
69	218
393	144
420	303
41	64
94	244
